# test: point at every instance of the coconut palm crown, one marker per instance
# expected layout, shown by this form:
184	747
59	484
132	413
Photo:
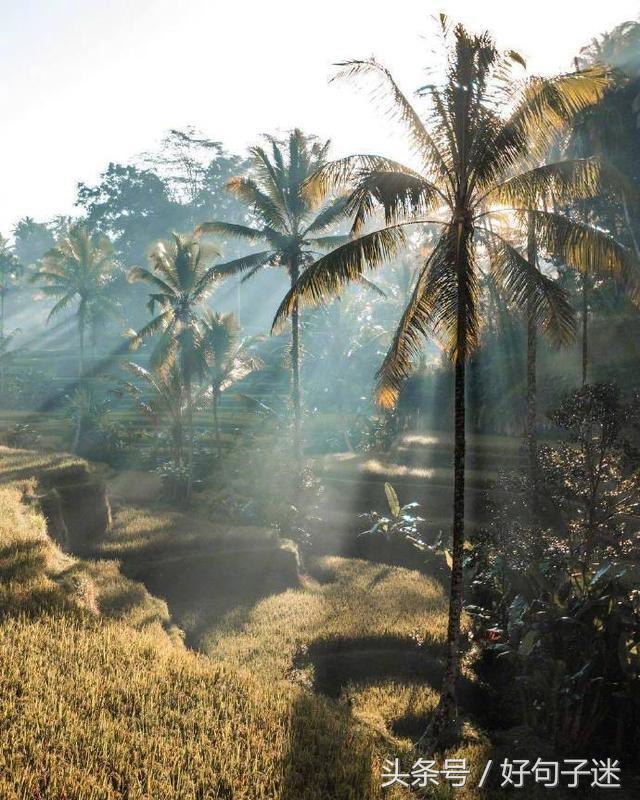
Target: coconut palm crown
227	358
181	277
79	270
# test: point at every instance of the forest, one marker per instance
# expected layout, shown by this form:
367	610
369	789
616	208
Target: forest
320	475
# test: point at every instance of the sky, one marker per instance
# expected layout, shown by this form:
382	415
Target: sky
86	82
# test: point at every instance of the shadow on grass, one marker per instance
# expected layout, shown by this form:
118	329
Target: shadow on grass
372	660
329	755
23	560
201	588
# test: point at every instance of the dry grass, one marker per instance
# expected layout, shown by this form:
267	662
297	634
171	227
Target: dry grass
99	711
99	702
36	576
352	600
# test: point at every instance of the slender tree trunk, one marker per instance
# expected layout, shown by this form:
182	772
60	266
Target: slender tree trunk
216	422
295	367
2	353
532	347
444	726
448	704
81	352
585	327
190	443
80	420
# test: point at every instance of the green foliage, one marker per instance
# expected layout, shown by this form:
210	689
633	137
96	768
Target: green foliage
457	189
402	523
283	216
32	240
79	271
555	591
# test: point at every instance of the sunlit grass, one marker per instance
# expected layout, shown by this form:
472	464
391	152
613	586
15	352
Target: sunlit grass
391	470
100	712
99	709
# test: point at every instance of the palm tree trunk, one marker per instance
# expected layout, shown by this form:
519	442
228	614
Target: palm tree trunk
295	367
448	705
216	423
585	327
80	420
190	450
81	327
444	726
532	347
2	353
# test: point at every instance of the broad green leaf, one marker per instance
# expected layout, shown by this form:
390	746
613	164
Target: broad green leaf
392	499
527	644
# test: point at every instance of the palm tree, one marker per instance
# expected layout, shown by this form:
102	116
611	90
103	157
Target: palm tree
478	150
167	400
10	271
227	358
291	224
180	279
78	270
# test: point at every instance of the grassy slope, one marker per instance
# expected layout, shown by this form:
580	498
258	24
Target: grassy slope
353	630
99	700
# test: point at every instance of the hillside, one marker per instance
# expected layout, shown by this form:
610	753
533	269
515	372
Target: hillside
99	698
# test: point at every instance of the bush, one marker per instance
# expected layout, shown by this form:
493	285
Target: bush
555	593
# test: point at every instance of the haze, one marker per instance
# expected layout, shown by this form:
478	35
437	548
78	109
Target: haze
87	83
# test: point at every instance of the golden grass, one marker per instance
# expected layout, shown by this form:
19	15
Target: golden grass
98	701
37	576
353	599
101	712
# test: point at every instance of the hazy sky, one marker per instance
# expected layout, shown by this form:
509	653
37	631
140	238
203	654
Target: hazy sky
85	82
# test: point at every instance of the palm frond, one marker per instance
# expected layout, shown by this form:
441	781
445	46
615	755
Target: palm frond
338	175
229	229
397	105
583	246
329	242
444	302
401	195
157	324
332	213
61	305
525	286
564	181
137	274
329	274
263	206
250	262
372	286
408	340
542	111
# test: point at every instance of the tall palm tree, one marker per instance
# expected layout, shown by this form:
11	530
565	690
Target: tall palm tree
10	271
79	270
474	146
180	279
292	224
226	356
